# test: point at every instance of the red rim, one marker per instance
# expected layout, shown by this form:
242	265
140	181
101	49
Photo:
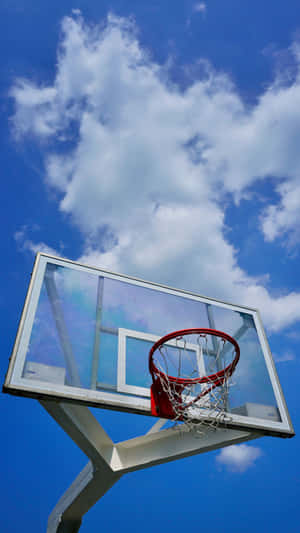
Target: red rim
216	379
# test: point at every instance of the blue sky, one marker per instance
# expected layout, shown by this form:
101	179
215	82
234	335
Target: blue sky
157	139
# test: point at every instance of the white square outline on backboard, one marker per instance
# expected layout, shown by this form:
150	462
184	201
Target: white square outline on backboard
122	386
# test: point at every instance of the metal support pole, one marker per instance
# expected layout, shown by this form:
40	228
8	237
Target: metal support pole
89	486
58	315
109	461
212	325
96	348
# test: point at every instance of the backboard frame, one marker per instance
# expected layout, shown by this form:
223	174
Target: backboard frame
16	384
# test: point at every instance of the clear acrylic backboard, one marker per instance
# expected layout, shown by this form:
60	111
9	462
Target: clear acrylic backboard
85	336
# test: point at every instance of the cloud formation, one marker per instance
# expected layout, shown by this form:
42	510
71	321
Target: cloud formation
151	164
26	244
200	7
286	356
239	458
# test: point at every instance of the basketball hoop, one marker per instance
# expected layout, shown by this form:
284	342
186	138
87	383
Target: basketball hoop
190	396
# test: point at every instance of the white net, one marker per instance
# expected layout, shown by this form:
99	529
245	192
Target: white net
192	377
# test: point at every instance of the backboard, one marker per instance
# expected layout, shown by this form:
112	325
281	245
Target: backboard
85	336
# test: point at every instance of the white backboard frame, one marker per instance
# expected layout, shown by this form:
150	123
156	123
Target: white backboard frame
16	384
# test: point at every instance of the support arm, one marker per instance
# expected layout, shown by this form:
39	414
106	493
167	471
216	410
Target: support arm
109	461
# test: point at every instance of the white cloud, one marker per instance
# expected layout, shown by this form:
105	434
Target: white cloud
26	244
36	247
200	7
151	164
284	218
35	112
239	458
293	335
285	356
